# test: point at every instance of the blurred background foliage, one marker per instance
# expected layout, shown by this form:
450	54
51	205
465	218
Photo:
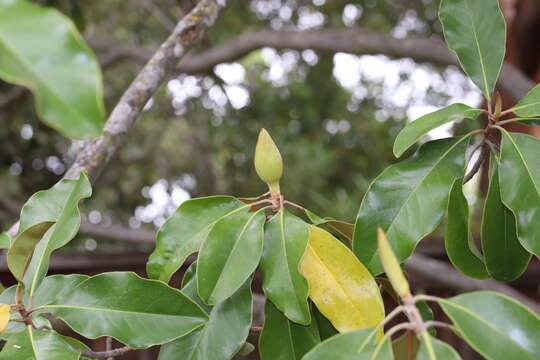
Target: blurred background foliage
334	116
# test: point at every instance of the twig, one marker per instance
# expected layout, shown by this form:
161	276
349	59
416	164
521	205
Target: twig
105	354
98	153
478	164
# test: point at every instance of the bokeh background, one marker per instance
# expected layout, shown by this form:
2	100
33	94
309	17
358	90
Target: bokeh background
333	114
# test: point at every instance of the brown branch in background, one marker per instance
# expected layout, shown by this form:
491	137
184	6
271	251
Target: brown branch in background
439	272
484	154
97	153
354	41
105	354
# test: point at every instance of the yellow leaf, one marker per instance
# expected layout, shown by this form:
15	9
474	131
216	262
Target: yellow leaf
341	287
4	316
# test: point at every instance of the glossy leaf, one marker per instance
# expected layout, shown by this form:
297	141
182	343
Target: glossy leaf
458	241
20	253
285	241
504	256
529	105
358	345
441	350
32	344
42	50
221	337
55	287
411	133
519	177
282	339
341	287
229	255
495	325
476	32
184	232
189	287
59	205
408	200
136	311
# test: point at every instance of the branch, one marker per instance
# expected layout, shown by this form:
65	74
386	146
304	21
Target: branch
354	41
105	354
98	153
439	272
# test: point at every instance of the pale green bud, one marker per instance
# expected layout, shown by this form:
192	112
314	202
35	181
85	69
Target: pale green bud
391	266
268	162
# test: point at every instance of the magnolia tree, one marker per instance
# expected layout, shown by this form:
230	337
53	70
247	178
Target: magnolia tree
320	276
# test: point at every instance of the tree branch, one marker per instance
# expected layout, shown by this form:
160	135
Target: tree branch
440	272
105	354
354	41
97	153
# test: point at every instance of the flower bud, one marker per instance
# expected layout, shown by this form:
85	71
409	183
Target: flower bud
391	266
268	162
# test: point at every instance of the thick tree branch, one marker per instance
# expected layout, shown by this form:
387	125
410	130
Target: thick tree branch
97	153
354	41
439	272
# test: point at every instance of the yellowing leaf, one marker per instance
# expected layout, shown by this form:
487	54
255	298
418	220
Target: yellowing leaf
4	316
341	287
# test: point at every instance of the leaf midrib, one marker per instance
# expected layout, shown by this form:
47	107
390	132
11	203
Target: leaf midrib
97	309
482	67
235	246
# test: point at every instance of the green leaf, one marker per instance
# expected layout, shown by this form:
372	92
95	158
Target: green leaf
221	337
408	200
458	241
32	344
476	32
136	311
359	344
341	287
285	242
504	256
495	325
58	205
42	50
20	252
441	350
55	287
519	178
229	255
529	105
184	232
189	287
282	339
420	127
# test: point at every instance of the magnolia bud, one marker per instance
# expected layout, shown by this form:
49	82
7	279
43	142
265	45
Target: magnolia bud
268	162
391	266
